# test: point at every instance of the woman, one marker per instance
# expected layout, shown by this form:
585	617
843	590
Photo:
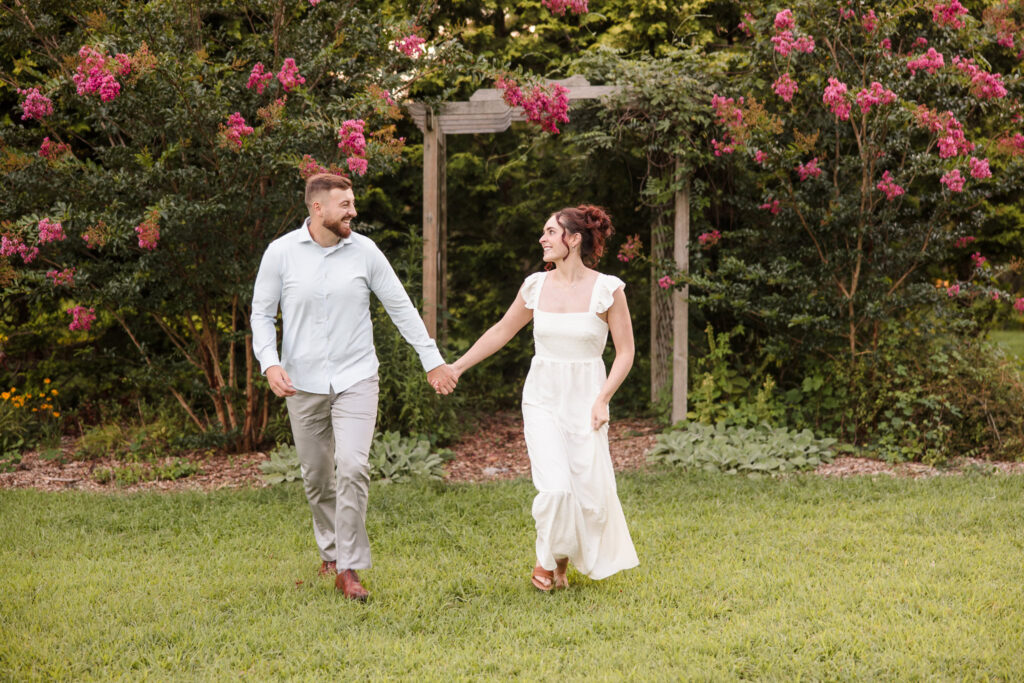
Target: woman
566	395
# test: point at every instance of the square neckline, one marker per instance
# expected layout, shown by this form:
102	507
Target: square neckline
590	300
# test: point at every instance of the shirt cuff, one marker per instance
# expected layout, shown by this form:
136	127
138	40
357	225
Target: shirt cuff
269	362
431	359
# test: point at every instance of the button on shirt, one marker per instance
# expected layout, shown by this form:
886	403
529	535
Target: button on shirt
324	297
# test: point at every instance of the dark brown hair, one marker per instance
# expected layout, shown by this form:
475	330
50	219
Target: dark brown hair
325	182
590	222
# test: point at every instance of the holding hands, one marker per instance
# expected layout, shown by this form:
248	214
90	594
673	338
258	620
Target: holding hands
443	378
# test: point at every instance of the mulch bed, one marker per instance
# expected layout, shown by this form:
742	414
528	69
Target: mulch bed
492	450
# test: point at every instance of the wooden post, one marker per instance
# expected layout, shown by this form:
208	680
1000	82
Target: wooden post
681	303
442	221
432	137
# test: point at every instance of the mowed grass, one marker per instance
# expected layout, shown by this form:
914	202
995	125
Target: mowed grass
1011	340
801	578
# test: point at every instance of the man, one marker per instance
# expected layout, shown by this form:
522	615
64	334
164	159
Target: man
321	275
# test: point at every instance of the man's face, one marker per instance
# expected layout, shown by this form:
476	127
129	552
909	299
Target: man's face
337	211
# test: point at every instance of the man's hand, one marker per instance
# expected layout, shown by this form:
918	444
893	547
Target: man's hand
443	379
280	383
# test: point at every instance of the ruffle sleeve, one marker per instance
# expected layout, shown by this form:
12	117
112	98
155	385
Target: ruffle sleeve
531	289
604	292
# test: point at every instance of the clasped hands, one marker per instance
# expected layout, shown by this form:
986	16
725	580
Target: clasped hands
443	378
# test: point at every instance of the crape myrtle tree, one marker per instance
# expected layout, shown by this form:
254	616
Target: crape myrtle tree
154	149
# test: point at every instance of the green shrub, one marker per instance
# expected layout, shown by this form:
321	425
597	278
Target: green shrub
735	449
283	465
134	473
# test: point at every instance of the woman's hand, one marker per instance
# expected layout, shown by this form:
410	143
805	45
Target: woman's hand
599	414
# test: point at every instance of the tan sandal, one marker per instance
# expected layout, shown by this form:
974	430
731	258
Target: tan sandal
542	579
561	580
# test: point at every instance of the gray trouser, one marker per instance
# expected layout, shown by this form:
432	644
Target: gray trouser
333	433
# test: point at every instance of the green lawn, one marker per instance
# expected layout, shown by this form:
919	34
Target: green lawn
1013	340
772	579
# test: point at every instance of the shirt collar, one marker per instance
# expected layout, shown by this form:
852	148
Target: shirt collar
305	236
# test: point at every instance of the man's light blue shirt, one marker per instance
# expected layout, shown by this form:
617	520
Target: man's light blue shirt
324	297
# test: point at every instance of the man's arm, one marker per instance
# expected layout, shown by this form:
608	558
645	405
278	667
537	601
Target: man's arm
266	297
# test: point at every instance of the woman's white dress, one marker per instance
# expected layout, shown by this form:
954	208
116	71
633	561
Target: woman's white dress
577	510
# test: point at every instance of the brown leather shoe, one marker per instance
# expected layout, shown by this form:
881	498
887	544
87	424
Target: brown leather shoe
348	583
328	568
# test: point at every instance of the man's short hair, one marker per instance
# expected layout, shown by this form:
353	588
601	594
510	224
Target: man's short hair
324	182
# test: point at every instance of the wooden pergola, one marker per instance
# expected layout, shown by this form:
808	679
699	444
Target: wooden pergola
486	112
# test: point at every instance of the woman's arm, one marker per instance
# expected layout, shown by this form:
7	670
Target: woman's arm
497	336
621	327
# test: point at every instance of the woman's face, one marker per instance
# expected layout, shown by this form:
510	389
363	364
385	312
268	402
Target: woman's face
551	241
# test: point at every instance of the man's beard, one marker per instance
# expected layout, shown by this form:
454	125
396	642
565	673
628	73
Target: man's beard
338	228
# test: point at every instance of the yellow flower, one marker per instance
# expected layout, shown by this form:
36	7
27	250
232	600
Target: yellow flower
6	395
35	410
53	391
46	381
56	414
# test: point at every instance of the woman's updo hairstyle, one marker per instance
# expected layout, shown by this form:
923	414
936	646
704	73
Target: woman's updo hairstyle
593	224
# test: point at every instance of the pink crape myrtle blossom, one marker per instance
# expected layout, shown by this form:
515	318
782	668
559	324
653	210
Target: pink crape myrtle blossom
709	239
845	12
760	157
95	74
353	141
53	150
545	106
81	318
921	41
804	44
835	98
869	21
784	20
560	6
772	206
95	236
984	86
314	3
953	290
62	278
630	249
785	87
411	45
952	141
35	105
747	24
953	180
148	231
289	75
979	168
964	241
886	45
931	61
50	231
978	260
11	245
721	147
259	77
236	130
666	281
1018	305
309	167
808	170
889	187
358	165
948	14
877	94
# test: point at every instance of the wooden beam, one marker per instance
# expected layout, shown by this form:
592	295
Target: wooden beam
432	158
681	302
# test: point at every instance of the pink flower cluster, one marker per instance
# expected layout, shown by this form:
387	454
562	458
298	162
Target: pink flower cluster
869	21
953	290
760	157
666	281
314	3
930	61
729	115
35	105
1018	305
148	231
64	277
964	241
979	168
95	235
1000	19
259	77
97	73
886	45
81	318
9	246
772	206
889	187
846	12
984	86
560	6
289	75
411	45
877	94
808	170
785	87
722	147
630	249
952	141
309	167
949	14
52	150
746	24
353	145
709	239
544	106
236	130
50	231
978	260
785	43
1014	146
953	180
784	20
835	98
